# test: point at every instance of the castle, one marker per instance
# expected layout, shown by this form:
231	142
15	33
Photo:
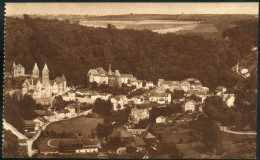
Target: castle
100	76
40	88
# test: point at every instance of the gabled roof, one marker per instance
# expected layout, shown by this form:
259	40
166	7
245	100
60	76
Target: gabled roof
48	113
147	135
138	111
127	75
31	81
156	94
29	122
227	96
58	80
219	88
52	82
40	112
89	142
191	101
97	72
118	97
121	133
138	141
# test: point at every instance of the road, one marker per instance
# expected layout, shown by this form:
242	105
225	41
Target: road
226	129
9	127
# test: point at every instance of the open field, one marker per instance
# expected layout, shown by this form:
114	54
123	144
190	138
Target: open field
231	147
81	125
160	26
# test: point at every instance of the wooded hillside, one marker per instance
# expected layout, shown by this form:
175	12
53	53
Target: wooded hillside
73	49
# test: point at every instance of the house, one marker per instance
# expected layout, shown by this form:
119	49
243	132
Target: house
148	138
71	108
121	150
137	115
70	145
104	96
29	125
149	84
78	146
119	102
137	100
135	131
39	121
198	84
185	86
22	142
138	143
49	116
171	85
220	90
88	146
205	89
229	99
159	97
189	106
121	133
160	119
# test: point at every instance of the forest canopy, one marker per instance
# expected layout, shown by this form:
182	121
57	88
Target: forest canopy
73	50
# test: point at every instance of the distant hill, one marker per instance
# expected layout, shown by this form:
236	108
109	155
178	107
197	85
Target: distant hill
73	50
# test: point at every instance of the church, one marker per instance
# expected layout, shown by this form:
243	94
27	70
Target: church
43	87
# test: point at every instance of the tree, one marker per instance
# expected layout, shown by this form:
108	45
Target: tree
10	145
28	106
143	123
170	149
211	136
12	112
104	130
102	107
58	103
178	94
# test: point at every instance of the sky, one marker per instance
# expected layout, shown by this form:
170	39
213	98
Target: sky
106	8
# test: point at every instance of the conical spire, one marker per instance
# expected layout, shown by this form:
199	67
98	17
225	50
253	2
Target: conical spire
63	77
45	68
35	66
13	64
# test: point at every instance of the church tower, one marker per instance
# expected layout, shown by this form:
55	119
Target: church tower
35	71
45	76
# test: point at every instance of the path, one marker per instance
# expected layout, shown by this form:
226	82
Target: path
225	129
49	144
9	127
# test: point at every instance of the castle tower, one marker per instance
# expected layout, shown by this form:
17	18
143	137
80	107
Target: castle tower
45	76
64	88
35	71
109	70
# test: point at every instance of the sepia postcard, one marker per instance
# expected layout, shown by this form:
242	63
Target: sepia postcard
130	80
